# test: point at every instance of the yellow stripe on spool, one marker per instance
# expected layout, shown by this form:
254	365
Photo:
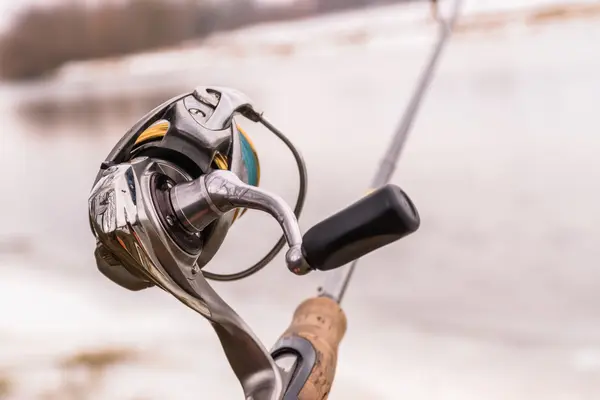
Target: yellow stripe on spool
156	130
220	161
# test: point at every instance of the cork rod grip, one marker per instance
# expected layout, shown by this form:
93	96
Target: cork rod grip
322	322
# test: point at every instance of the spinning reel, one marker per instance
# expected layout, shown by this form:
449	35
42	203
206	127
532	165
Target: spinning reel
170	190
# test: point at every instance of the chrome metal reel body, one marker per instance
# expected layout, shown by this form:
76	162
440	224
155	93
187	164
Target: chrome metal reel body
194	131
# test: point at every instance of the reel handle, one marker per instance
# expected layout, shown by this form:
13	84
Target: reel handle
384	216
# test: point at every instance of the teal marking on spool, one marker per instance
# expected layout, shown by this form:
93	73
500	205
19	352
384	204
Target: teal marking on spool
250	161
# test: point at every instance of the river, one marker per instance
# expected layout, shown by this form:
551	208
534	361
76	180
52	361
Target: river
495	297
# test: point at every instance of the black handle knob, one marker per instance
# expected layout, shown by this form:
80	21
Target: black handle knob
378	219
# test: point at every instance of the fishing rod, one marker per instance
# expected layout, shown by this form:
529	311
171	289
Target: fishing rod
167	194
336	284
321	320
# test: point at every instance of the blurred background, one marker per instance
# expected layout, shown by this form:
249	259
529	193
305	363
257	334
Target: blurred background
496	297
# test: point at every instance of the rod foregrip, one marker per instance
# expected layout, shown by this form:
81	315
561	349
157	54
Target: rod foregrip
322	322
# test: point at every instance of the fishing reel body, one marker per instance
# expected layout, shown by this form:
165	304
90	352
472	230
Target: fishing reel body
189	136
167	194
